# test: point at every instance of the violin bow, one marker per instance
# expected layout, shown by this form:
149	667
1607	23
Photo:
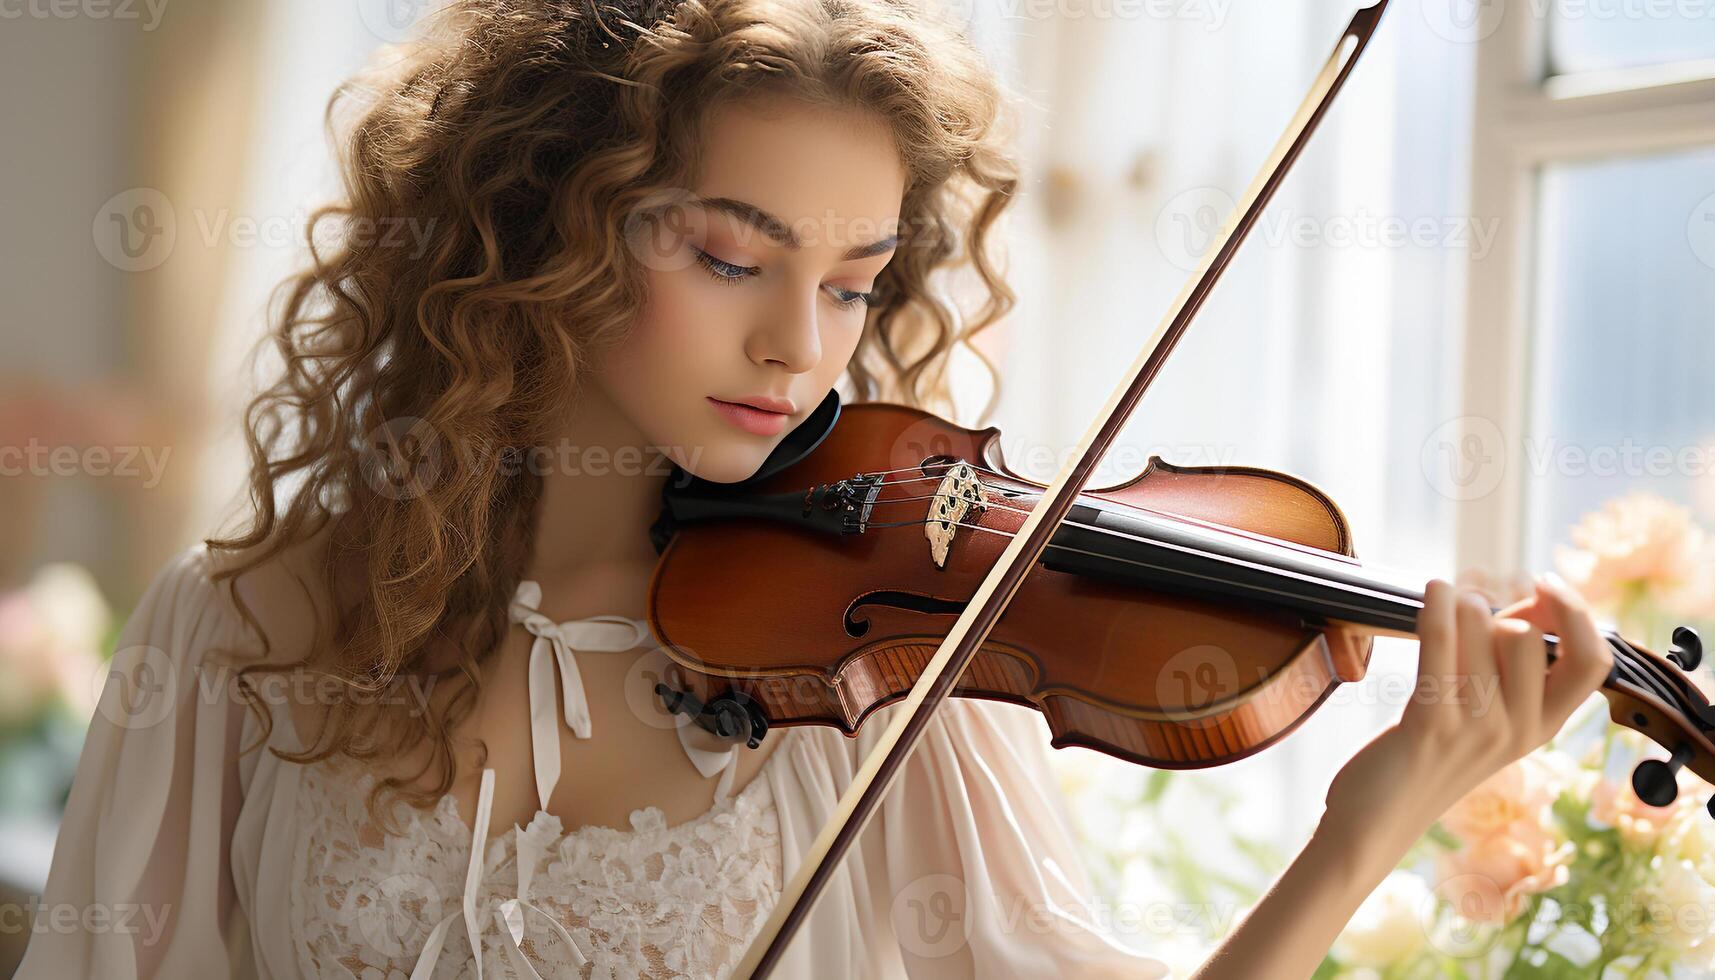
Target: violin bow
858	803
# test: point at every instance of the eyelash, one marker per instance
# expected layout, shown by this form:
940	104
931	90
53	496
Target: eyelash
729	273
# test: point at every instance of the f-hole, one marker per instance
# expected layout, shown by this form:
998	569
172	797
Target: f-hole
857	624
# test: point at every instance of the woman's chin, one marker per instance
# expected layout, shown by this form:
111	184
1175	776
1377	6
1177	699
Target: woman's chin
724	461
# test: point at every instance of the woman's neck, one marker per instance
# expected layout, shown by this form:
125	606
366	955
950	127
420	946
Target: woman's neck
601	489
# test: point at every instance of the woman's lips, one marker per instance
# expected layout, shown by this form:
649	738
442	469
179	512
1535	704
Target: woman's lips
752	420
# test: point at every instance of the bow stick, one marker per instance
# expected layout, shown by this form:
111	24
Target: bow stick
857	804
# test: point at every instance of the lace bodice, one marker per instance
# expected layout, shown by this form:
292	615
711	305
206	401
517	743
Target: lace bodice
655	901
247	865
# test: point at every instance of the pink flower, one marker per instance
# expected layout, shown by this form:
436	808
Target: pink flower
1520	793
1489	879
50	638
1510	853
1617	805
1641	544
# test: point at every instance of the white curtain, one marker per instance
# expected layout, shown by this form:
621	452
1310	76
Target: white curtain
1328	350
309	49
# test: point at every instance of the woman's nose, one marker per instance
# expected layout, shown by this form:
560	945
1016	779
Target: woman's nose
789	333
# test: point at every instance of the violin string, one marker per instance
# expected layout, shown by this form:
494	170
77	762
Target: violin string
1377	573
1113	532
1664	686
1637	670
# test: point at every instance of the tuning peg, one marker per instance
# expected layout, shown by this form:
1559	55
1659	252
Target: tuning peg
1656	782
1687	649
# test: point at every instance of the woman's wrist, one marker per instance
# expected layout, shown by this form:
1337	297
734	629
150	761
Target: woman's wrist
1376	813
1362	848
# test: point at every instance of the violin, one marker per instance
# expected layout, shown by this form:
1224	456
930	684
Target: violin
1186	618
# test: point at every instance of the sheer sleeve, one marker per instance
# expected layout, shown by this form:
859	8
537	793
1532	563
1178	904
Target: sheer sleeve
976	820
140	884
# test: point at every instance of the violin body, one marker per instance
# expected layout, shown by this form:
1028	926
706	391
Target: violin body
824	629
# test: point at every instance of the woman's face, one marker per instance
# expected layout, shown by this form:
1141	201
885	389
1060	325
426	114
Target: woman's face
756	281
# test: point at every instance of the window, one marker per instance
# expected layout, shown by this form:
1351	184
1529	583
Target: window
1590	332
1623	337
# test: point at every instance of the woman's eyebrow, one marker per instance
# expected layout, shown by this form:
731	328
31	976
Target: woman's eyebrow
777	230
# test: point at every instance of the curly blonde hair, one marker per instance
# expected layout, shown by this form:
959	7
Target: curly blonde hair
520	134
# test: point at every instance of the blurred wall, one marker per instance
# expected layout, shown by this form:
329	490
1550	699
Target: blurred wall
119	123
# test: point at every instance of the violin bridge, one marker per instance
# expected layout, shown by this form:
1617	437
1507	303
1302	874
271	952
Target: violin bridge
959	493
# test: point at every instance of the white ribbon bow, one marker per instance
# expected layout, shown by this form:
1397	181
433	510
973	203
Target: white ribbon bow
509	913
554	644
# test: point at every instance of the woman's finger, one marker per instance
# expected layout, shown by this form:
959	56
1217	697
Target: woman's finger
1584	657
1479	676
1437	658
1523	659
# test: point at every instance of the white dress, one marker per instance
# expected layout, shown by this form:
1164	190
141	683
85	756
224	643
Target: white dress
178	857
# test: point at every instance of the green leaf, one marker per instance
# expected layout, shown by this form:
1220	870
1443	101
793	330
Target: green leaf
1157	785
1261	853
1541	964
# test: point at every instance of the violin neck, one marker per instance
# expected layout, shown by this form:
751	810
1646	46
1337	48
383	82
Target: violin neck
1171	554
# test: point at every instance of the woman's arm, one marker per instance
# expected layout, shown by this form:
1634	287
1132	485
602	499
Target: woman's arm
141	881
1483	700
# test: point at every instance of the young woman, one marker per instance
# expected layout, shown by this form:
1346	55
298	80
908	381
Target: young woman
402	724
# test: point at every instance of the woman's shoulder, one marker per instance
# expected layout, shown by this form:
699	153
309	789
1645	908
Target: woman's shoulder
281	592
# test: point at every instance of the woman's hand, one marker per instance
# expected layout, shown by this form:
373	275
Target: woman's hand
1485	696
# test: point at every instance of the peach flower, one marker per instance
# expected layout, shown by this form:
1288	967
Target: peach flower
1617	805
1520	793
1489	879
1641	544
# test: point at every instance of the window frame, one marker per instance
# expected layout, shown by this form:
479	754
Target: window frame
1522	120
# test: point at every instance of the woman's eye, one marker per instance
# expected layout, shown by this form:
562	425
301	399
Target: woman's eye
849	299
723	271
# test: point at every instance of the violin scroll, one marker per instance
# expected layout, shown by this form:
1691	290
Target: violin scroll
1646	694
